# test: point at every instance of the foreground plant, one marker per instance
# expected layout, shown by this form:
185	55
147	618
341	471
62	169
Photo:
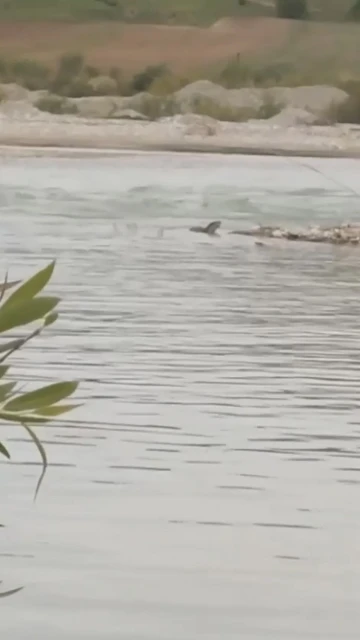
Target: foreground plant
23	307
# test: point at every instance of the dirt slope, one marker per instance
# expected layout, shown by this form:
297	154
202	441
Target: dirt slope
132	46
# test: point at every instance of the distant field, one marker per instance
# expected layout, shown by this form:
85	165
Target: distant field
185	48
196	12
133	47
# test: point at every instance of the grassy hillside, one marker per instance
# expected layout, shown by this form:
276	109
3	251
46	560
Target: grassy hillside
201	12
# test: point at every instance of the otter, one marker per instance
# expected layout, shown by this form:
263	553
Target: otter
210	229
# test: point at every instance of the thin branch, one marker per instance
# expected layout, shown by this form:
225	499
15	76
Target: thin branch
43	456
18	344
4	594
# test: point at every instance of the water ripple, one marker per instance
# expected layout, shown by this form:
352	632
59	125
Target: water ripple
220	383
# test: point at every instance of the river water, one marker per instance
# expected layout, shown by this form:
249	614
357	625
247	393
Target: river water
210	485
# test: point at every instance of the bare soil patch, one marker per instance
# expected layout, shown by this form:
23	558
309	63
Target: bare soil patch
133	46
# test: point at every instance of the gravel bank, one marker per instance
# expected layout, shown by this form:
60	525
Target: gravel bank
31	128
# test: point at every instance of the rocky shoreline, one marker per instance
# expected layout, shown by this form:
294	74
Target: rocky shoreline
22	124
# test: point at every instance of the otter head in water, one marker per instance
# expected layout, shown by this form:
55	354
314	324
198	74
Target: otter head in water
210	229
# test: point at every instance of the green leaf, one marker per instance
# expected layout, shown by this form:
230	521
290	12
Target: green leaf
43	397
5	390
38	417
25	312
3	369
42	452
4	451
31	287
56	410
18	417
50	319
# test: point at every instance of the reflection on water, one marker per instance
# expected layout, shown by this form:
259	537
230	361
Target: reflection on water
209	486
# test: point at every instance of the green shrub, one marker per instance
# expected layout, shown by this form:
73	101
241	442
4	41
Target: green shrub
292	9
123	86
116	74
30	74
91	71
235	74
269	108
167	84
354	12
269	75
71	64
77	88
239	73
156	107
69	67
207	107
56	105
103	86
143	80
5	75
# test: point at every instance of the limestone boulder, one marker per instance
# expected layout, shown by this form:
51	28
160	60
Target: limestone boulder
292	117
21	110
12	91
98	106
189	97
128	114
140	101
191	124
317	99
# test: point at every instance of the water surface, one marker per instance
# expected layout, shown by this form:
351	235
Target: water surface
209	487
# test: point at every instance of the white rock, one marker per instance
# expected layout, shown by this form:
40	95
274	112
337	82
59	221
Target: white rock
98	106
12	91
22	110
291	116
317	99
189	96
128	114
194	125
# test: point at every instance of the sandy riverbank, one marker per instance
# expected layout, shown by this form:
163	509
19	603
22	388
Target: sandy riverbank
175	134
